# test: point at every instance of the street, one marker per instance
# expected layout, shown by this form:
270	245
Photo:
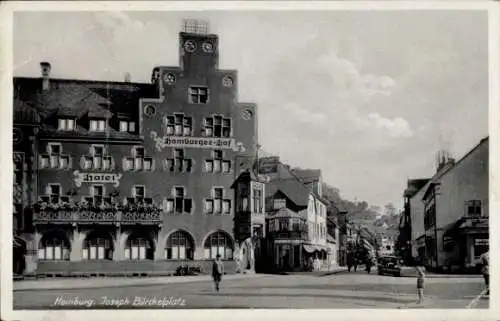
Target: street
342	290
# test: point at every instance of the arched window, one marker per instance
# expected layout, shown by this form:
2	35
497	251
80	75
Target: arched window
179	246
218	243
98	246
53	246
139	248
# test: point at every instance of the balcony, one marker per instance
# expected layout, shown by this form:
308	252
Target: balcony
288	234
69	214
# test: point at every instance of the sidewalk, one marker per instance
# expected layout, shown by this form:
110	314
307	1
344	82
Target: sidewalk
89	283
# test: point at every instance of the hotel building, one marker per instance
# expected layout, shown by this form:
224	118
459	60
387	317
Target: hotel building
136	177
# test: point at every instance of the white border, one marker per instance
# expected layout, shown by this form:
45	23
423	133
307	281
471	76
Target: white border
6	26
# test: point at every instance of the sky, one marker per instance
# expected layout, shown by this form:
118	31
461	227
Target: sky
368	97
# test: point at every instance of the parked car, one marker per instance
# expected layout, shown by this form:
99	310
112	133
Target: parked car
392	265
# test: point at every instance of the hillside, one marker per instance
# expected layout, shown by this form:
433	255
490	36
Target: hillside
376	220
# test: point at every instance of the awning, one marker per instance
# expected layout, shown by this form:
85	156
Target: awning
309	248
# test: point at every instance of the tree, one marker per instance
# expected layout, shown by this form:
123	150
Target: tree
390	210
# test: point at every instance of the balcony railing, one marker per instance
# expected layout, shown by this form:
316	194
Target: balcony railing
288	234
103	214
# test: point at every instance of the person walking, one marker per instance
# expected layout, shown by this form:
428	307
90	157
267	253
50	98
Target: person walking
355	263
349	262
485	270
217	272
419	267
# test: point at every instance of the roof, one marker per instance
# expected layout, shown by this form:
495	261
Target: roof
293	190
285	213
25	113
81	98
307	175
414	185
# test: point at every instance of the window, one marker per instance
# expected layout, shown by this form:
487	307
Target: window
138	161
179	203
217	164
257	201
97	247
54	193
217	204
474	208
127	126
179	246
53	246
217	126
66	124
218	243
138	193
198	95
179	163
179	125
54	158
97	194
97	156
279	203
97	125
139	248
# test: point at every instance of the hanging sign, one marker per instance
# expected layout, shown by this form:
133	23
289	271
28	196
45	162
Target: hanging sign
196	142
100	178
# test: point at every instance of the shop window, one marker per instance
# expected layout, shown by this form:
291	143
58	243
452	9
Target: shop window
139	248
97	247
53	246
218	243
179	246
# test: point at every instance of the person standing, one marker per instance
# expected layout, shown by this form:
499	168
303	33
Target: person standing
349	262
485	270
217	272
419	266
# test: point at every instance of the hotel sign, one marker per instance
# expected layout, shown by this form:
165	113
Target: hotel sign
196	142
99	178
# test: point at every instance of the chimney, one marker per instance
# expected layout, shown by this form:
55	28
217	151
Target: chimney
127	77
155	76
45	69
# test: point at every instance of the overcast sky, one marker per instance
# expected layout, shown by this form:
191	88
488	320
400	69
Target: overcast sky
368	97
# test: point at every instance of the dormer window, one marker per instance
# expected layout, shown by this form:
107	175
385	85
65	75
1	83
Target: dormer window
97	125
66	124
127	126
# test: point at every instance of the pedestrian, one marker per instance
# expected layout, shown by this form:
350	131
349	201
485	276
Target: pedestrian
217	272
355	263
419	267
349	262
485	270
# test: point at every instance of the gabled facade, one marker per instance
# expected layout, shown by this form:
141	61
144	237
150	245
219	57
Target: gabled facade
123	172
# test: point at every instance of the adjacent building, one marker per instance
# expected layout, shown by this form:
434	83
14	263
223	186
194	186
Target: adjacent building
295	218
449	212
124	176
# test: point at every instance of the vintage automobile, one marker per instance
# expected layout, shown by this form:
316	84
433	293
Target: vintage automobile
392	265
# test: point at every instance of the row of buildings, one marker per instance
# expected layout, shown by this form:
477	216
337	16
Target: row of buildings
446	215
145	177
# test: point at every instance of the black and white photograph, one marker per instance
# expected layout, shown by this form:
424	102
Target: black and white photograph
184	157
